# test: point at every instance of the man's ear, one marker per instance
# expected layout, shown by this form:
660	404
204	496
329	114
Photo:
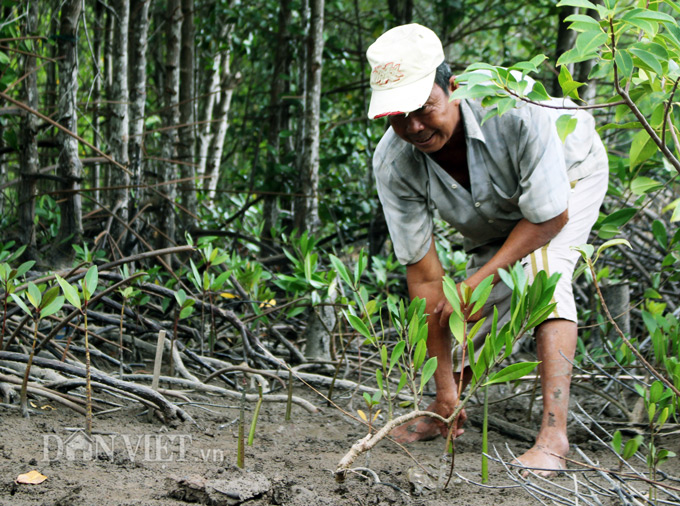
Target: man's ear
453	85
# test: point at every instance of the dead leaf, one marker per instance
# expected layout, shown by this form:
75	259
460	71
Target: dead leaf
31	478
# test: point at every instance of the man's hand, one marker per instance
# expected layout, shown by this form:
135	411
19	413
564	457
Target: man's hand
426	428
445	310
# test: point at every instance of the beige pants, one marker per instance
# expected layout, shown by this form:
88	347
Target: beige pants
558	255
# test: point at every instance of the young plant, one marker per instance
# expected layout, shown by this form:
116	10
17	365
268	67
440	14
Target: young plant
9	279
185	308
80	301
42	306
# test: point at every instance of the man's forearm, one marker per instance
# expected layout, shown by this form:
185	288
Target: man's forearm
524	239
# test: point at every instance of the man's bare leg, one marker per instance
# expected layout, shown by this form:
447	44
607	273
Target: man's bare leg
555	340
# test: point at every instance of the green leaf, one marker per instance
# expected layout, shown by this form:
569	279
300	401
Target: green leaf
582	23
397	352
617	441
402	382
52	307
609	244
70	292
576	3
383	356
512	372
565	124
379	378
660	234
341	269
359	325
620	217
91	280
419	355
631	447
587	43
428	370
641	185
457	326
569	86
642	147
648	60
21	304
624	63
33	295
24	268
538	93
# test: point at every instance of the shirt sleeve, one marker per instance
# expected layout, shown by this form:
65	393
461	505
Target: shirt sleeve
402	188
544	183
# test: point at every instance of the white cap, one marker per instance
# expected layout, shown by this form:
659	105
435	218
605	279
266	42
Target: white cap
403	63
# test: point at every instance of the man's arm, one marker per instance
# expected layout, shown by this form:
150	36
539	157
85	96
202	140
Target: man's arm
424	280
524	239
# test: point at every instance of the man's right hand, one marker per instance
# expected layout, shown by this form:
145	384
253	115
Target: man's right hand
426	428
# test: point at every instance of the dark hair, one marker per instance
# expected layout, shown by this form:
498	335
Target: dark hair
443	76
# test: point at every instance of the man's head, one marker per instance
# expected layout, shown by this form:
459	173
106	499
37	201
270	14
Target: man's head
410	84
403	63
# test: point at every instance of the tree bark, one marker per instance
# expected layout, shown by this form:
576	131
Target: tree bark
187	99
278	118
28	143
139	30
119	119
69	166
565	41
97	50
167	170
212	168
307	207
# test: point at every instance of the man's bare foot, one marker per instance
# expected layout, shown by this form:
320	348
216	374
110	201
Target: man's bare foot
544	459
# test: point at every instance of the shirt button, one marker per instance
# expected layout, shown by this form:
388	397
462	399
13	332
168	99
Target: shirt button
454	186
478	204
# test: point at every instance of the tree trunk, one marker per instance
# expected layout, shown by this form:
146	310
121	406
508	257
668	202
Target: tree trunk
139	29
28	144
565	41
214	159
402	10
120	121
97	53
167	173
69	166
187	138
307	206
278	118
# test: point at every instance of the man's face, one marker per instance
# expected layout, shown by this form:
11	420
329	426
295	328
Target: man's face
430	127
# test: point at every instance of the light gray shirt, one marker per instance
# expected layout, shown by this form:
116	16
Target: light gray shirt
519	168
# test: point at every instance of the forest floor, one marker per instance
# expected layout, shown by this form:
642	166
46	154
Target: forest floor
137	462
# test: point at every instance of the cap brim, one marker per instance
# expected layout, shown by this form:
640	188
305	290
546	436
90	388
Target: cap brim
402	99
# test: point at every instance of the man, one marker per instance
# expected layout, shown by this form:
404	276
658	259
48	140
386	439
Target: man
509	186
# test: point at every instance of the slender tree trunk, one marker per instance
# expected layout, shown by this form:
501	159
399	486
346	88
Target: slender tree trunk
186	148
279	114
307	207
28	144
97	50
221	117
69	166
139	30
211	90
166	212
120	120
565	41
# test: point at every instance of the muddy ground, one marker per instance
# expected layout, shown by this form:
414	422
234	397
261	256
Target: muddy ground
136	462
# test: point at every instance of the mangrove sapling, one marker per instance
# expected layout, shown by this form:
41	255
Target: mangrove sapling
43	305
183	310
530	306
256	414
88	286
8	281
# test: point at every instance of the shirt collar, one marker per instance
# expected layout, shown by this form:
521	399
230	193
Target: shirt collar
473	130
